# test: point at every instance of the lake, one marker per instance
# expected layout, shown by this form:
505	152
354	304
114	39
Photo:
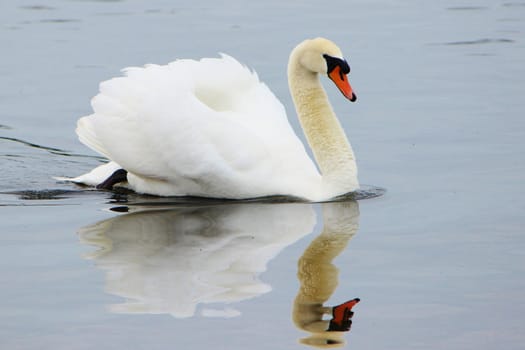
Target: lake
437	261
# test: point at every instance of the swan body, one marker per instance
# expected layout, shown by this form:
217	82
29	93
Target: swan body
210	128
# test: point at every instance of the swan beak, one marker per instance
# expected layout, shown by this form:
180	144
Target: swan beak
341	81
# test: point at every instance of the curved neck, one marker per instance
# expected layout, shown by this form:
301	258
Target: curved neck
326	137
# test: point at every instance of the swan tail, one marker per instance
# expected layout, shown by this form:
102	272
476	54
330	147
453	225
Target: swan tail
87	135
101	174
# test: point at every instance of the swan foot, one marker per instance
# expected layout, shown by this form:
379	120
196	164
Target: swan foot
120	175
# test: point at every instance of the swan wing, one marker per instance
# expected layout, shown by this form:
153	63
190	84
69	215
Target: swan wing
205	127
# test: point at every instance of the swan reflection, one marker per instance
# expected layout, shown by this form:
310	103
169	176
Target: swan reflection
170	261
173	260
318	278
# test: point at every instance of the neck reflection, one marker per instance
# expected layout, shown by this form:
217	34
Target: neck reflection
318	279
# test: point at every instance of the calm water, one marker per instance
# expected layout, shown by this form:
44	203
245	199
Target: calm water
438	261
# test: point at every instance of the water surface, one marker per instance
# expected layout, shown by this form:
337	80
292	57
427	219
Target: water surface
437	261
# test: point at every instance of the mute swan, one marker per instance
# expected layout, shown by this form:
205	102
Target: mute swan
210	128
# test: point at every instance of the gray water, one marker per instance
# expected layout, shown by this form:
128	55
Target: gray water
438	261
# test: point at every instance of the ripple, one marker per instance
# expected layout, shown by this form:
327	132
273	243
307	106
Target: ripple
51	150
131	201
59	20
467	8
37	7
126	200
514	4
369	192
481	41
42	194
121	13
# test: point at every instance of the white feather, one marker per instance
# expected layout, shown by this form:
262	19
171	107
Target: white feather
202	128
210	128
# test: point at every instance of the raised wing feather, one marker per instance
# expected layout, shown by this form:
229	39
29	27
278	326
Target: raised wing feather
209	120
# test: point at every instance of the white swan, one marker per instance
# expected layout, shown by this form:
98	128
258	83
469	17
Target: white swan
210	128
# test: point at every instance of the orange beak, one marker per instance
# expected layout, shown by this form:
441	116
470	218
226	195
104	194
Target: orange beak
341	81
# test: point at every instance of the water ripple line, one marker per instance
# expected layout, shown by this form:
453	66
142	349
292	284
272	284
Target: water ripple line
51	150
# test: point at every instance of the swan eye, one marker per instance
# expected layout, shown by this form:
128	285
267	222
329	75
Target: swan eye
332	62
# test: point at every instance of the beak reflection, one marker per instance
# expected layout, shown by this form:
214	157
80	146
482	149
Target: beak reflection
319	278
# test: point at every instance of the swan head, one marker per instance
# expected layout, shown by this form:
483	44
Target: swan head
322	56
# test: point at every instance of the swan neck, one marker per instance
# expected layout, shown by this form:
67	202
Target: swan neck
327	139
